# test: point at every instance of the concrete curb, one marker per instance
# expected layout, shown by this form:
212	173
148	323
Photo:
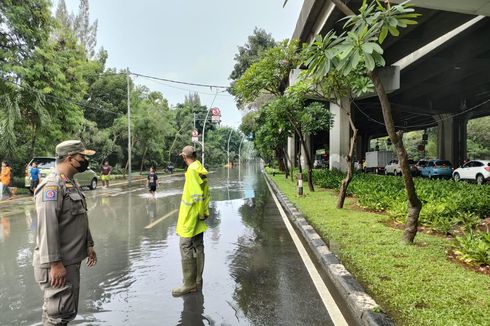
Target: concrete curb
360	304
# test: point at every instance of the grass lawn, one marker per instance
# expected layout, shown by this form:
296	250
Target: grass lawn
415	285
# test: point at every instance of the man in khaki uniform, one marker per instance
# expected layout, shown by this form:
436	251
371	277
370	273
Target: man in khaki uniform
63	238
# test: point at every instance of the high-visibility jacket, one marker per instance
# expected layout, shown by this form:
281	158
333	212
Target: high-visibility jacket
194	205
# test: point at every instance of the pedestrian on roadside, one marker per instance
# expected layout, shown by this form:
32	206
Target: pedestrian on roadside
5	180
63	237
194	210
106	174
35	177
152	181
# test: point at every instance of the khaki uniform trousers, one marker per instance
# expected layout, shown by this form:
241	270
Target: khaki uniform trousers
61	303
190	247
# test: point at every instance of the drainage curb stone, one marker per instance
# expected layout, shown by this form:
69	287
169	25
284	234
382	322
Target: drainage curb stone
360	304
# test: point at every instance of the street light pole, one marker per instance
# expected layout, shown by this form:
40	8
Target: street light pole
129	130
228	148
239	152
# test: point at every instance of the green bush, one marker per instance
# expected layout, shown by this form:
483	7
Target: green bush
446	204
473	247
329	179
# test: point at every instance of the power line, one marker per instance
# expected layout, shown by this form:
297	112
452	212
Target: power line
178	82
190	90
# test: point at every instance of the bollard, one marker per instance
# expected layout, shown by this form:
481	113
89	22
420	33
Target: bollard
300	184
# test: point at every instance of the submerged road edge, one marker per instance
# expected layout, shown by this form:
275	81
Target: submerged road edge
361	305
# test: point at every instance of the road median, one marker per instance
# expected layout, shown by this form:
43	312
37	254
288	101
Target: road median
413	285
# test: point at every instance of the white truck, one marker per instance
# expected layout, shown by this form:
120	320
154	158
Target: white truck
377	160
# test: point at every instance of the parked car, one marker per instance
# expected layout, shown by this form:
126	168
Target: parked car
477	170
318	164
438	169
47	164
394	168
421	164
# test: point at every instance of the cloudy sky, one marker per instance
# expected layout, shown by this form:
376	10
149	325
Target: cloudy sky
186	40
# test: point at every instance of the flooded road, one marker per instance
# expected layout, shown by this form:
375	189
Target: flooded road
253	273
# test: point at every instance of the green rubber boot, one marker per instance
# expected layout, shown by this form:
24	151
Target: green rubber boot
200	269
189	271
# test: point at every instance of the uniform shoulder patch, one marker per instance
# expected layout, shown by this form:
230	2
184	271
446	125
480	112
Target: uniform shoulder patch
50	193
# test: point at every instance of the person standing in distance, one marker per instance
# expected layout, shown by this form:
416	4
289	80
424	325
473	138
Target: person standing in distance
35	176
5	180
194	210
63	238
106	174
152	181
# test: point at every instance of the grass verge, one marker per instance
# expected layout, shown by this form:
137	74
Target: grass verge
415	285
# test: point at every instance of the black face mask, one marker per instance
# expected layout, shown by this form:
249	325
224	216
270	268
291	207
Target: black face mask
83	166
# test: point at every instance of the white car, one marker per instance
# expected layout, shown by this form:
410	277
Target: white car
394	168
477	170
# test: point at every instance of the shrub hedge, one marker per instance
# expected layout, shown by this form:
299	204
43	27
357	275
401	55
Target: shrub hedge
447	205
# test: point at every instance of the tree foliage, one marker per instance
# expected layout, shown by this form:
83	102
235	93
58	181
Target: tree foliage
250	52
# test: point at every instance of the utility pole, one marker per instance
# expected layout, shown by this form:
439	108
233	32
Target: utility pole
203	130
129	131
204	127
228	147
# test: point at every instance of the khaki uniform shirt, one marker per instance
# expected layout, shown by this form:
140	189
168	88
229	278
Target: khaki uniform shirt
63	232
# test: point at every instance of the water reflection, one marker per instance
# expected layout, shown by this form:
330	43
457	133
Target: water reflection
193	311
253	274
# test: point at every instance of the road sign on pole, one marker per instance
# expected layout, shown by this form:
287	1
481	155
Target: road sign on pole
215	115
195	136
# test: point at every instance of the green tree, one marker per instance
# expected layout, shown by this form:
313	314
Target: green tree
361	46
268	77
479	138
250	52
79	24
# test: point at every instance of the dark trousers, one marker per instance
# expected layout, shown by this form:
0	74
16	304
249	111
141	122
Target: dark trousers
34	184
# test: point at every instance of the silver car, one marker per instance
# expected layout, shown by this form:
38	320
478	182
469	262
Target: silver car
47	164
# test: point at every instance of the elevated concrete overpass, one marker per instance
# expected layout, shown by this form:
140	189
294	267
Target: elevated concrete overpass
444	64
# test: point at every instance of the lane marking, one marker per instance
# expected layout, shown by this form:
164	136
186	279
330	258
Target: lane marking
325	295
149	226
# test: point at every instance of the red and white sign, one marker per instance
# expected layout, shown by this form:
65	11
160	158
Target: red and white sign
215	112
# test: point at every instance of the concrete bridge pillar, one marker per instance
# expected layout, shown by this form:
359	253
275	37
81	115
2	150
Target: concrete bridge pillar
339	135
452	136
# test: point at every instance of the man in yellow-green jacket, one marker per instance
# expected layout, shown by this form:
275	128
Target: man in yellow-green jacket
190	225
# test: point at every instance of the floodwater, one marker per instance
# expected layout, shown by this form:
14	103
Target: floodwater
253	273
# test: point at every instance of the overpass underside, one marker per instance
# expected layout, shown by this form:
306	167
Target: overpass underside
444	64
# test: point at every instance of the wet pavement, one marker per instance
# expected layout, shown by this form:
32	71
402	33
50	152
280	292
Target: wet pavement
253	273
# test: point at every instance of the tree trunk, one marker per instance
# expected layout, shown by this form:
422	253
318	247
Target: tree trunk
280	160
348	177
308	163
143	159
33	141
414	203
288	159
